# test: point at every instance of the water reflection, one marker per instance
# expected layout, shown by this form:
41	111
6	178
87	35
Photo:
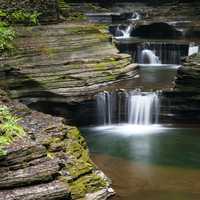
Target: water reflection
149	144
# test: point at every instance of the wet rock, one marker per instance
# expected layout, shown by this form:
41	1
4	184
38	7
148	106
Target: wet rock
188	76
51	162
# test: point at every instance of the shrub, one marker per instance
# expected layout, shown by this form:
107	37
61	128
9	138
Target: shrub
23	17
7	35
9	128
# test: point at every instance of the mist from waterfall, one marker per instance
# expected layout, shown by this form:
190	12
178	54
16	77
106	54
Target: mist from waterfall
134	107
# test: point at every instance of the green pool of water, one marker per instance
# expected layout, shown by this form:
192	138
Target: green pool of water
148	163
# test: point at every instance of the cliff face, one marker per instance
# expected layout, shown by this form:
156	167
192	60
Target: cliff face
51	162
188	76
64	62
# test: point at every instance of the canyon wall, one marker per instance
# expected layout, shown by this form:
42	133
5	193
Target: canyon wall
63	63
50	162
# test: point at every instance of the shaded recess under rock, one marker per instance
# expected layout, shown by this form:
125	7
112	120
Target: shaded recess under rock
51	162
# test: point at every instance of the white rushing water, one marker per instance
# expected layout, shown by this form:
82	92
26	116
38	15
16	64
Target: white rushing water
135	17
125	34
143	109
193	50
128	107
149	57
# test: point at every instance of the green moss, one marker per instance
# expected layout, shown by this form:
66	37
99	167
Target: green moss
69	12
86	184
48	51
105	64
74	134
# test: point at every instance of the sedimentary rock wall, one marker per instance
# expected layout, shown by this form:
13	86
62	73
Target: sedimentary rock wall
188	76
50	162
64	62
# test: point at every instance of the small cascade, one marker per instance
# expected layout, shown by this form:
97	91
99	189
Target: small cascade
134	107
149	57
104	108
120	33
157	53
193	50
136	16
143	108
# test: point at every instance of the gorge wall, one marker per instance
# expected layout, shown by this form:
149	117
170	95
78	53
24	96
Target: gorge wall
63	62
50	162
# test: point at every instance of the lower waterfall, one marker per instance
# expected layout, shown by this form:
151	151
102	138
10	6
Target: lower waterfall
133	107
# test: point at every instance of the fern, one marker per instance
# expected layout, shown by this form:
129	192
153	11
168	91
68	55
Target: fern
9	128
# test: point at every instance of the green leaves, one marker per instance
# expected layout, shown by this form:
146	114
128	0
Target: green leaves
6	37
21	16
9	128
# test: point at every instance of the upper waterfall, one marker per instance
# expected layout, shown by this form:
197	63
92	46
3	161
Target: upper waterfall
149	57
120	33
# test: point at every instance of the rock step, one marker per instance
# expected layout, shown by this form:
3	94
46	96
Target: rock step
23	151
43	172
54	190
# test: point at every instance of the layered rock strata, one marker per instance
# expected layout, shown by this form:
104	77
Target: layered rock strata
64	62
188	76
51	162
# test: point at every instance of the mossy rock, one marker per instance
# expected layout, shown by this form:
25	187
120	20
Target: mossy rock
86	184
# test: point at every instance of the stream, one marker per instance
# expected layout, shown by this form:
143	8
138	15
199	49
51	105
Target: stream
146	157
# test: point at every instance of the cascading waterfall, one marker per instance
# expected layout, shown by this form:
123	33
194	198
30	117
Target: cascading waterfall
165	53
135	16
128	107
149	57
193	50
104	108
143	108
125	33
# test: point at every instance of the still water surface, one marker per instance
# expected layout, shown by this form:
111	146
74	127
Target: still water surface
148	163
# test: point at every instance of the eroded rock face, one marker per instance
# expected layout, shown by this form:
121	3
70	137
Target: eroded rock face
64	62
188	76
50	162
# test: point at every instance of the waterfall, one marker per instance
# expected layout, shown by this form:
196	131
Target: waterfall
149	57
193	50
124	33
104	108
136	16
143	109
128	107
160	52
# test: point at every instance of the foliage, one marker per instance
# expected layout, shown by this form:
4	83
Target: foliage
20	17
6	37
9	128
